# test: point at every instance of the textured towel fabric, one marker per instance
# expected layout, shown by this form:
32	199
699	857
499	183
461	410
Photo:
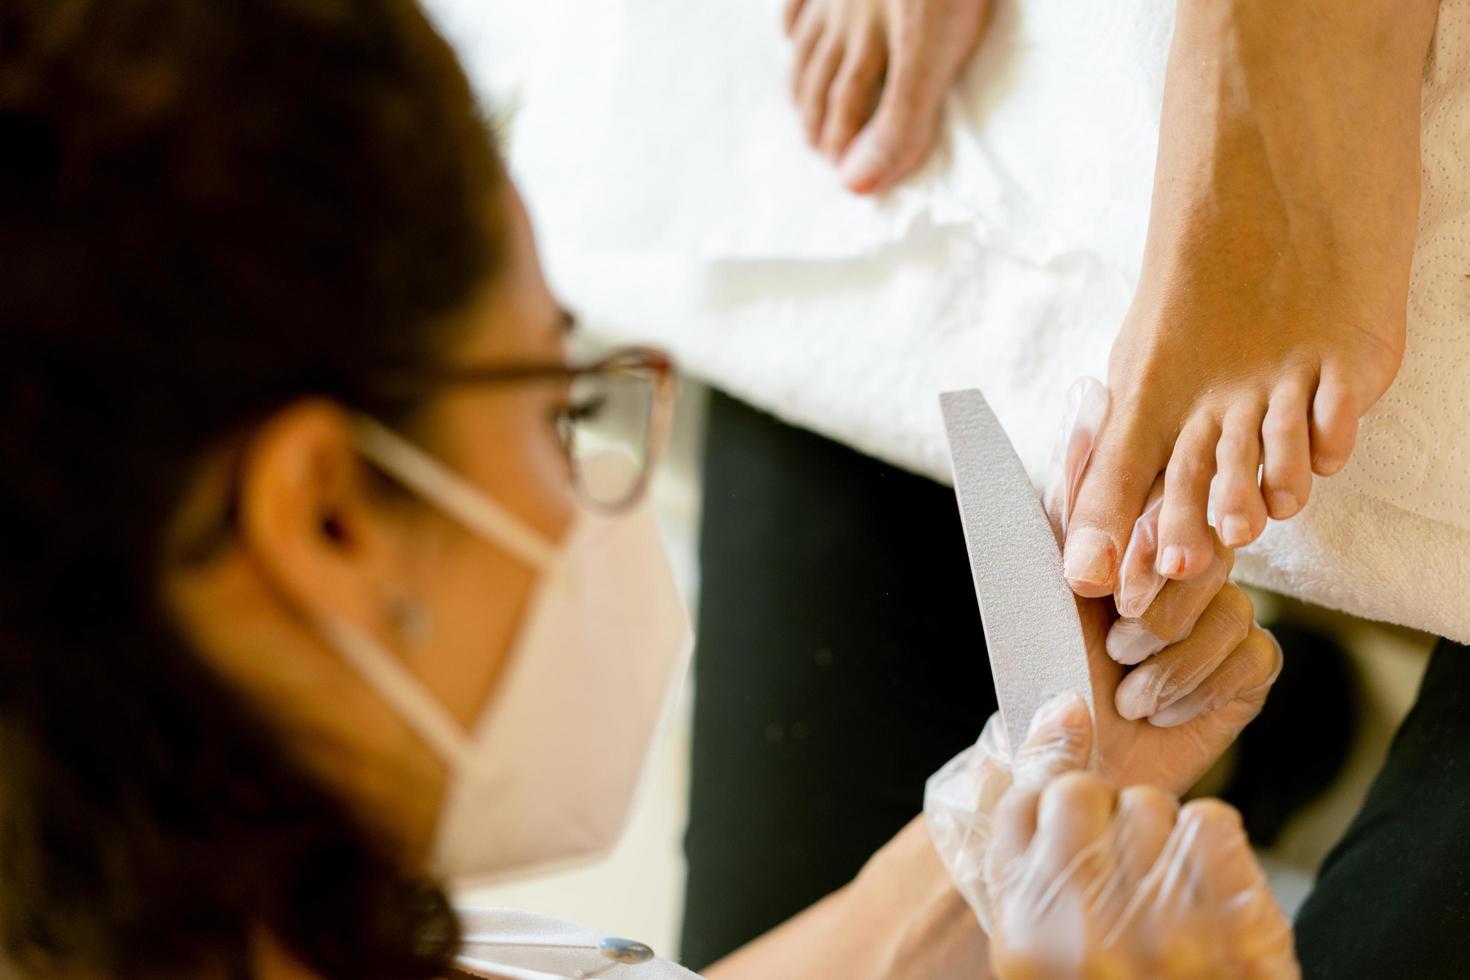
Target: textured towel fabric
663	163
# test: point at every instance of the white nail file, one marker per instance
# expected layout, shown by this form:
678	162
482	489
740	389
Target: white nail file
1031	624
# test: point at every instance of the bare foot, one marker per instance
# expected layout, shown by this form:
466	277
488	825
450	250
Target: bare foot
869	77
1270	313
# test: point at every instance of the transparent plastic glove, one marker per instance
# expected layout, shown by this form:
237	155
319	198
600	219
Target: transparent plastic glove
1089	882
961	798
1086	411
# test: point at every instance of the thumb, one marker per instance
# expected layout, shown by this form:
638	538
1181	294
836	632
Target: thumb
1059	740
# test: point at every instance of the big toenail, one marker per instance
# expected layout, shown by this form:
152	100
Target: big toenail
1089	558
1235	531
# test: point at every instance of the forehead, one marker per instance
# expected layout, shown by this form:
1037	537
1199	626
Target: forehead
513	317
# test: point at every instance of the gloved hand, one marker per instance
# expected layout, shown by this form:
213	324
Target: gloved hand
1089	882
1162	723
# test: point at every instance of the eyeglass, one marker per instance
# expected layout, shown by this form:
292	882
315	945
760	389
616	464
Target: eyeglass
622	402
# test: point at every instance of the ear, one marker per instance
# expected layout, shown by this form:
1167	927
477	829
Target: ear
309	518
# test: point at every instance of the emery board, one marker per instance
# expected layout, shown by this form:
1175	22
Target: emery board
1032	629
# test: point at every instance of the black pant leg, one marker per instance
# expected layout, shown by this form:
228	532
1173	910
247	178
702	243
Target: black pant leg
840	662
1393	898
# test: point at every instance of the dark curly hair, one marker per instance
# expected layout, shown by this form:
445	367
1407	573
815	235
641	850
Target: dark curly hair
208	209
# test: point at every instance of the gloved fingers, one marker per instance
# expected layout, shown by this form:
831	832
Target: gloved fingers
1171	616
1145	819
1139	581
1074	816
1059	739
960	801
1178	670
1235	692
1086	410
1213	902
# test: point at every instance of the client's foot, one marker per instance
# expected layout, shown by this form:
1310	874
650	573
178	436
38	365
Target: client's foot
869	78
1237	405
1270	311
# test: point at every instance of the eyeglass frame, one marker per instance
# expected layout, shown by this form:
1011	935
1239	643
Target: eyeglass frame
665	386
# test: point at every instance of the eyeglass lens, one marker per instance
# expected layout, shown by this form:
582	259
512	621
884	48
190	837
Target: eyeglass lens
611	412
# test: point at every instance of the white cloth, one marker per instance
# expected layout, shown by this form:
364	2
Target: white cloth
508	944
676	202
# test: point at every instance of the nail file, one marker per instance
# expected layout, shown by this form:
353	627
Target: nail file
1031	625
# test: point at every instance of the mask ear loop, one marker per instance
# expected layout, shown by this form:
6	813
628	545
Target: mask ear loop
458	498
394	682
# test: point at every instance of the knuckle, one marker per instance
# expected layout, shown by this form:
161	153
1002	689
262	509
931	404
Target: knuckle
1234	445
1211	815
1264	653
1236	609
1186	468
1146	798
1278	427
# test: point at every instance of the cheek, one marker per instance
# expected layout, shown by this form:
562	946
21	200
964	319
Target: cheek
479	604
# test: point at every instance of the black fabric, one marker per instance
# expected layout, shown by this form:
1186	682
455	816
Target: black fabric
1393	898
840	662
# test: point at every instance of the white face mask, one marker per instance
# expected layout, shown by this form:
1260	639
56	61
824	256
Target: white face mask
546	775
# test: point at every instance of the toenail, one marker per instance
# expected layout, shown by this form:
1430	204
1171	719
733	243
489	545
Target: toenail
1326	465
1282	502
1235	531
1173	560
864	161
1089	557
1130	642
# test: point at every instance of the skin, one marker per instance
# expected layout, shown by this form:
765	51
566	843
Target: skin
869	78
320	536
1270	313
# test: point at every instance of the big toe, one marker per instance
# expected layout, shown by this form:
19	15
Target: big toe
854	94
896	140
1112	494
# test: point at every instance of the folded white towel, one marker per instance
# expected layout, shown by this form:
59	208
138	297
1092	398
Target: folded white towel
657	148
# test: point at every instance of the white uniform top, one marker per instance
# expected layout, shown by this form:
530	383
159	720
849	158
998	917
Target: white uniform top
507	944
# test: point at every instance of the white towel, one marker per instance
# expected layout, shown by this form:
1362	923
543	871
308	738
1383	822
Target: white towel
663	163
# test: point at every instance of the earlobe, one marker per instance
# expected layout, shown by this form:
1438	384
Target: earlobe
306	513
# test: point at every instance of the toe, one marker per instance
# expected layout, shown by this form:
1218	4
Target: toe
854	92
1124	464
1286	479
1184	532
1240	513
790	14
1334	423
898	137
816	82
807	32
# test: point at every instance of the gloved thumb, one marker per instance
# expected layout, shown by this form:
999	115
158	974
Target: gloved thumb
1059	740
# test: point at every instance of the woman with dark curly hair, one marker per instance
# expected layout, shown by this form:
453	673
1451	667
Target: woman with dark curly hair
312	598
